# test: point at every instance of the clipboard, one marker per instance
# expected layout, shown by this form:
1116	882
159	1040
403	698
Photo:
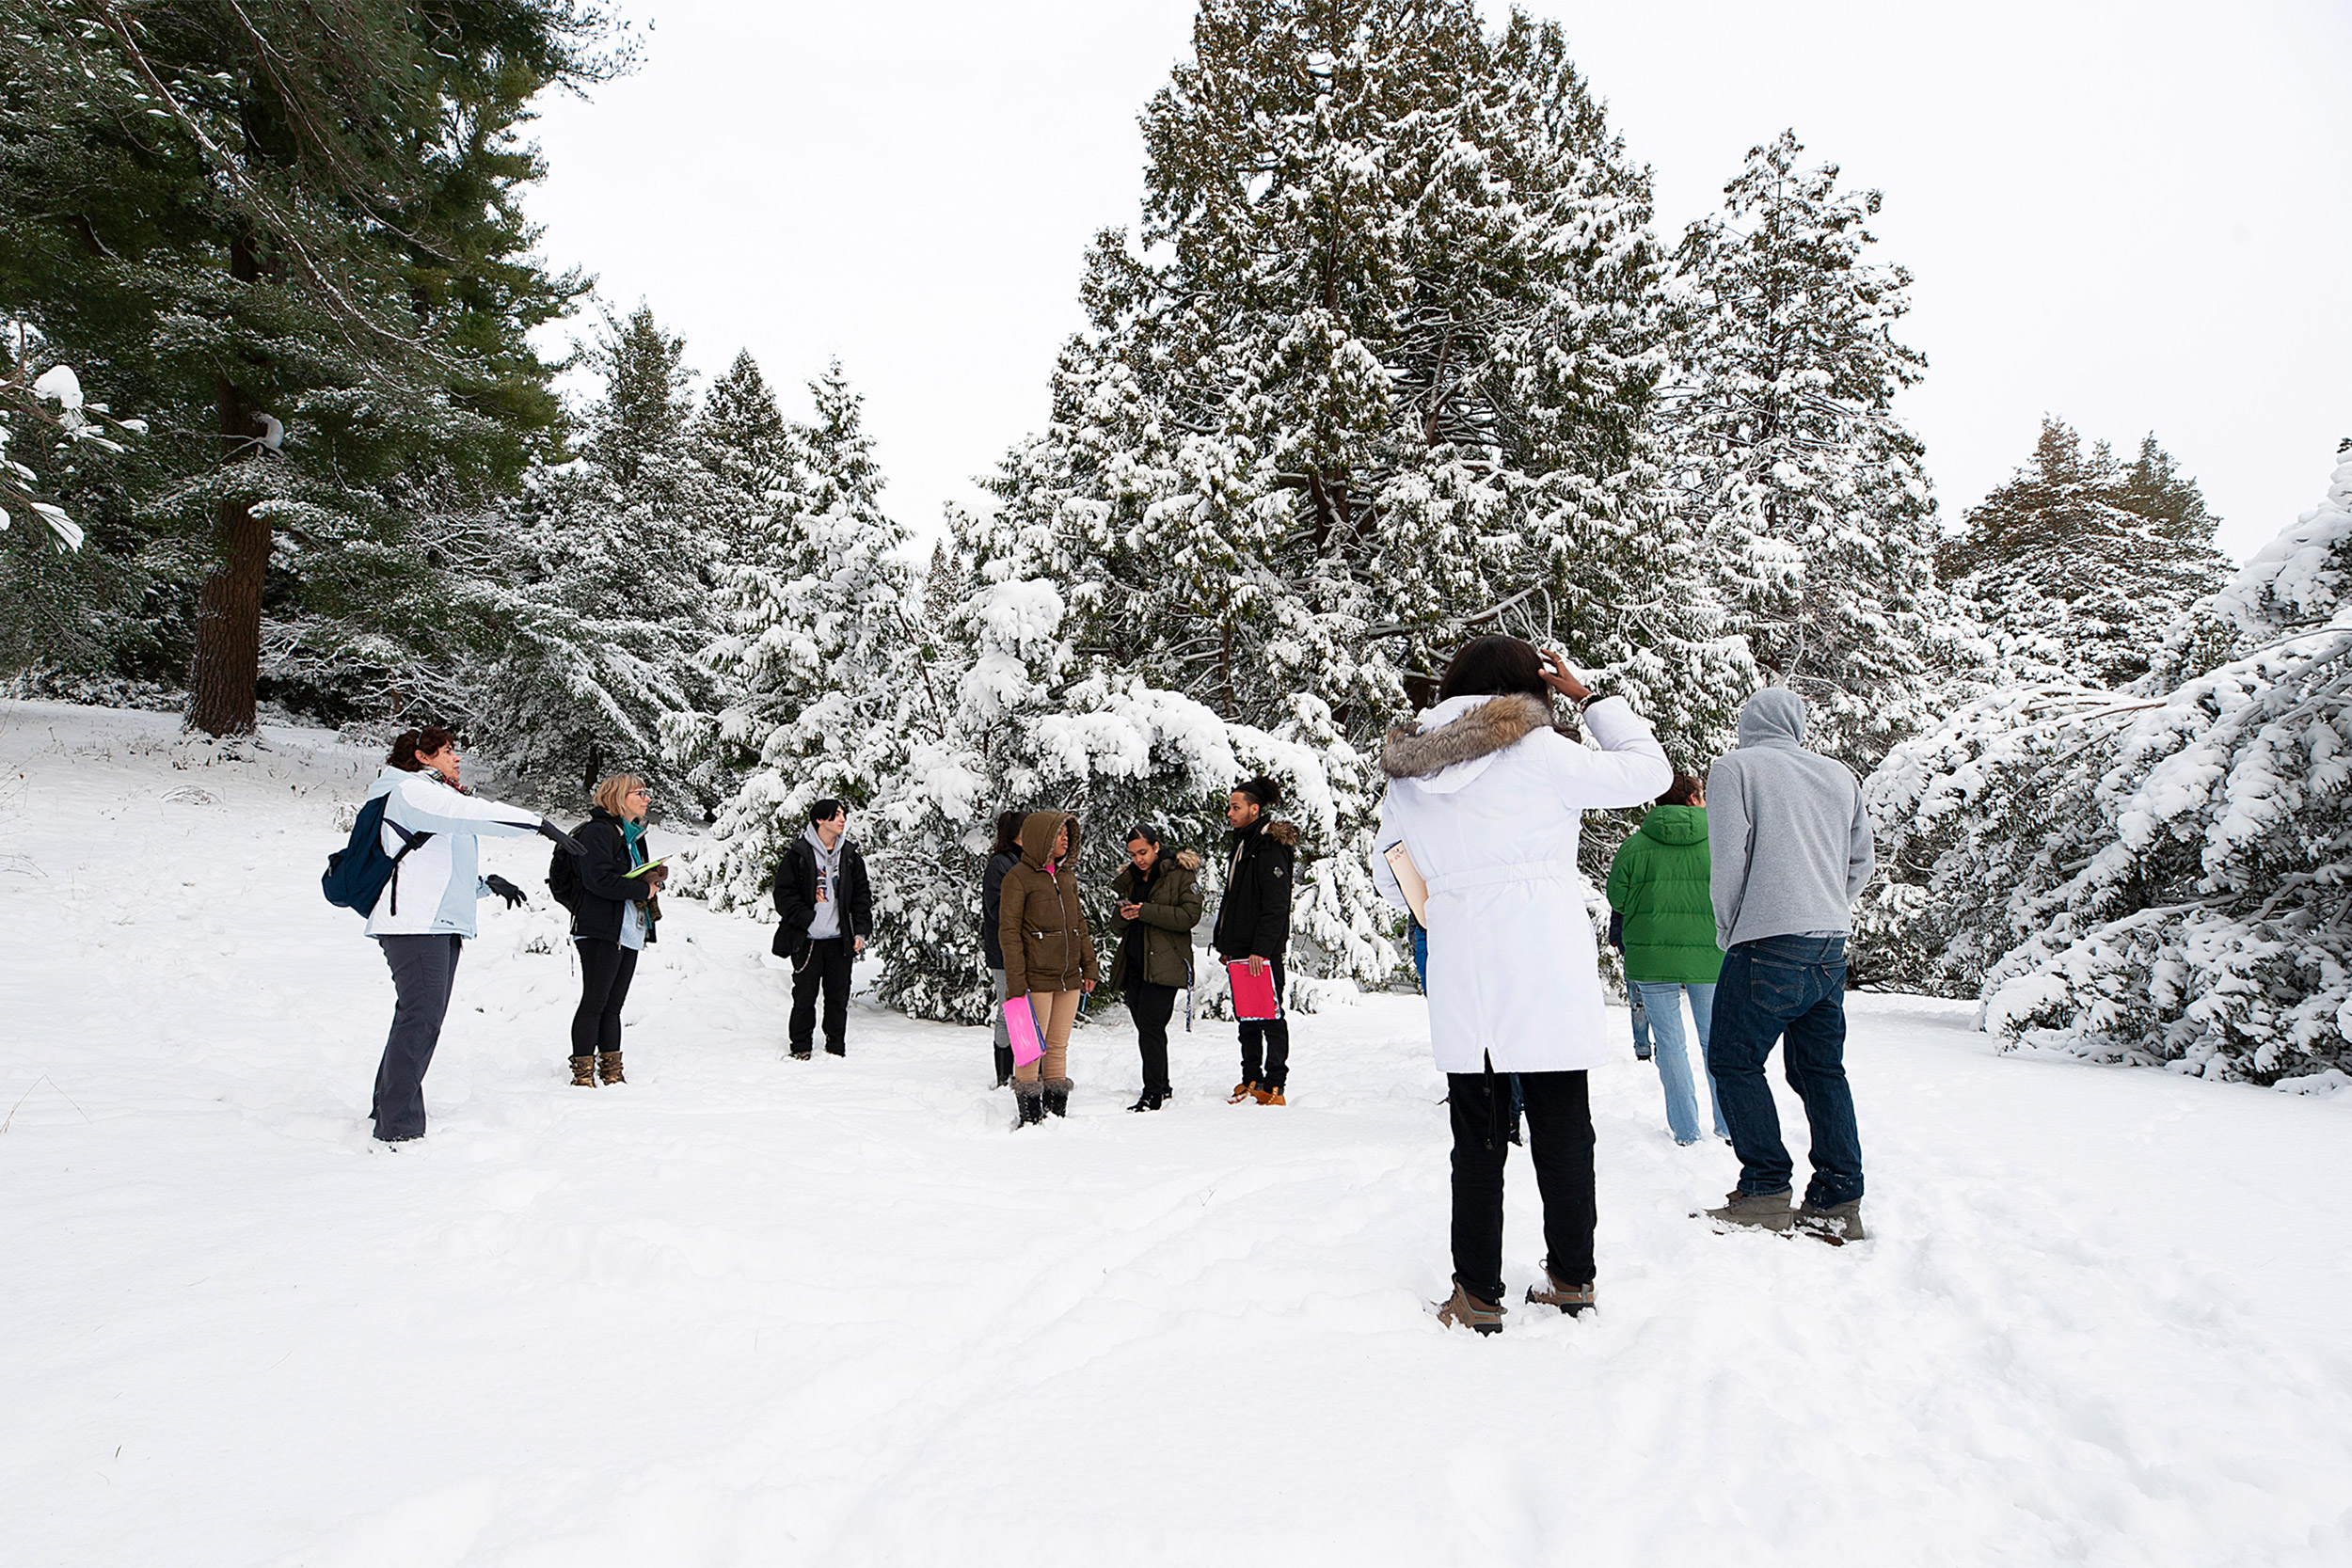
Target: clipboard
1253	994
1408	877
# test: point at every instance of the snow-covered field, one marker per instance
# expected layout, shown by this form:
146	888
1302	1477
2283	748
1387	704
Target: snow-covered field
747	1310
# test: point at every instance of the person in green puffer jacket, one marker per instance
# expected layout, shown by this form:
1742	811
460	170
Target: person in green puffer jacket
1658	885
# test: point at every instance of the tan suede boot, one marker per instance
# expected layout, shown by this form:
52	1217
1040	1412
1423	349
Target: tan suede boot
1571	1299
583	1072
1464	1310
609	1067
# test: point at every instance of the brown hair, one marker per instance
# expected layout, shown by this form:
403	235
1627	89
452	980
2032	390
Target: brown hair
613	795
1682	792
409	745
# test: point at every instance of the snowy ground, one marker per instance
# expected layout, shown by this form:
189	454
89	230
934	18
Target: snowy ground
747	1310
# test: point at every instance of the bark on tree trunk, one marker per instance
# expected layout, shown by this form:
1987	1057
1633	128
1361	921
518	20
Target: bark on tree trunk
228	611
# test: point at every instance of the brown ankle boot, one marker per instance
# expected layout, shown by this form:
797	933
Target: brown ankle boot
583	1072
608	1065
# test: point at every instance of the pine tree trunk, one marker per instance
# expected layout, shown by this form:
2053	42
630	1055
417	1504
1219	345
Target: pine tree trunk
228	611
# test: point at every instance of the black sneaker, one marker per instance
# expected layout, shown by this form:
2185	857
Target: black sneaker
1148	1102
800	1055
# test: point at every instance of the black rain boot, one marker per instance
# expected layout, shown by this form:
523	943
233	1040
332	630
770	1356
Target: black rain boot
1058	1096
1028	1101
1004	1066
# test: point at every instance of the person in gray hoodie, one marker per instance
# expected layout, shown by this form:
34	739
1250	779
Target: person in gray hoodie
1791	852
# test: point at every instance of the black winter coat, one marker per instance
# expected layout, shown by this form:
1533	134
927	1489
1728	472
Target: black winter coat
1255	916
796	898
991	895
602	868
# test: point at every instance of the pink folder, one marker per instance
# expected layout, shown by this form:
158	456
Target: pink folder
1021	1027
1253	994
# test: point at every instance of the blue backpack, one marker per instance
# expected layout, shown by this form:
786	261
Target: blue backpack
356	874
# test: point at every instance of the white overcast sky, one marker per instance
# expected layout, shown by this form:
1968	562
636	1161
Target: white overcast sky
2138	216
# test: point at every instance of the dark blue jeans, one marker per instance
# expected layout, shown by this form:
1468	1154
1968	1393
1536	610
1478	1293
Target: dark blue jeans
1793	987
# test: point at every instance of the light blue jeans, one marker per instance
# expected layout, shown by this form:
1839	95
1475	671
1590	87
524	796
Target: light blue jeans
1663	1002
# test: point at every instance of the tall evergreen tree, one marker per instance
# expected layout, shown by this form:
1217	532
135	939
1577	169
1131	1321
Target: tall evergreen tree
2079	565
1788	453
740	436
290	232
602	601
820	617
1376	378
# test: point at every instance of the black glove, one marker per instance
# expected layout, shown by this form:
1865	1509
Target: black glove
562	840
505	889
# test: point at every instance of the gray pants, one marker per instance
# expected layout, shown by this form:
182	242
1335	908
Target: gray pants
1004	1040
425	969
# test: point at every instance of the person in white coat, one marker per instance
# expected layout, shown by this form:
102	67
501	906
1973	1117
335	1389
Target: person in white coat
426	911
1487	797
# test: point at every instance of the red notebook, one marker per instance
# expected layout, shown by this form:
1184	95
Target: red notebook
1253	994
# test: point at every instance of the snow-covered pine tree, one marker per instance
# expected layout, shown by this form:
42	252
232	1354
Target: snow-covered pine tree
602	600
740	436
2079	565
1377	379
820	620
2161	877
2212	925
1789	454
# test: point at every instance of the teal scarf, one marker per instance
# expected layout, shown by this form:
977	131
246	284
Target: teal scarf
634	833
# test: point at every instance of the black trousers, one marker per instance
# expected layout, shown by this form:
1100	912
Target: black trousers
1153	1006
1269	1036
1560	1139
827	965
606	968
424	971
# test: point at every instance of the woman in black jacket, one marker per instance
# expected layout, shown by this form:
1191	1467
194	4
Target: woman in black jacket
1002	856
613	919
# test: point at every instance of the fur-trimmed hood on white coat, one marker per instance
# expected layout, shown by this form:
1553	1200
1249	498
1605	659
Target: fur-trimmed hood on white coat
1488	800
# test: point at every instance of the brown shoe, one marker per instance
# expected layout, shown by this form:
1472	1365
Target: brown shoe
1572	1299
1464	1310
609	1067
1242	1091
1267	1094
1753	1211
583	1072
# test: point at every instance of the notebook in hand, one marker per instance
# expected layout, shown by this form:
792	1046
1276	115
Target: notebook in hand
1253	994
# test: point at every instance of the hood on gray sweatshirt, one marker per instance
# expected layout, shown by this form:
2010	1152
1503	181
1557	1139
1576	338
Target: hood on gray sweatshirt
1774	716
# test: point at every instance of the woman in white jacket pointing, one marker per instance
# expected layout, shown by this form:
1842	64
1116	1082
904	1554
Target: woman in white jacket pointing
426	912
1487	799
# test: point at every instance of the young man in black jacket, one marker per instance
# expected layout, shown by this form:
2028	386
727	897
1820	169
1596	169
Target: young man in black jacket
1253	924
828	913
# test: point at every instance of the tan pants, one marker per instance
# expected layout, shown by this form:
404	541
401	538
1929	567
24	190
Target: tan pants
1055	1012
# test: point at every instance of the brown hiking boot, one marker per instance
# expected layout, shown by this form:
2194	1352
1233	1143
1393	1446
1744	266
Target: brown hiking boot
1267	1094
1753	1211
583	1072
1244	1090
1464	1310
609	1067
1571	1299
1837	1225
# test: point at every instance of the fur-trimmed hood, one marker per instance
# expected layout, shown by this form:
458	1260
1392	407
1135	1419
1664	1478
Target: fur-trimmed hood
1188	858
1279	829
1458	736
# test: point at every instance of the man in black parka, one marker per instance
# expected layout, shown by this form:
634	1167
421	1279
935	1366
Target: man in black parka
827	909
1253	926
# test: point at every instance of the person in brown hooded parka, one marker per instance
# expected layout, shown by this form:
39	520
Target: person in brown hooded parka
1048	954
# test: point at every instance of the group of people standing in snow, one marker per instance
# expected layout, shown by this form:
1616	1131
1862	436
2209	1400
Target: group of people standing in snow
1037	944
1485	800
1734	894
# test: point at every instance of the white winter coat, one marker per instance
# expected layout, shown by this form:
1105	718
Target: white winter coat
1514	971
437	883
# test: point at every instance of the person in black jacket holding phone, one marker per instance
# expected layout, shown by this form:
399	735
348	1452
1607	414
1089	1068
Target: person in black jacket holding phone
613	920
1253	926
827	910
1002	856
